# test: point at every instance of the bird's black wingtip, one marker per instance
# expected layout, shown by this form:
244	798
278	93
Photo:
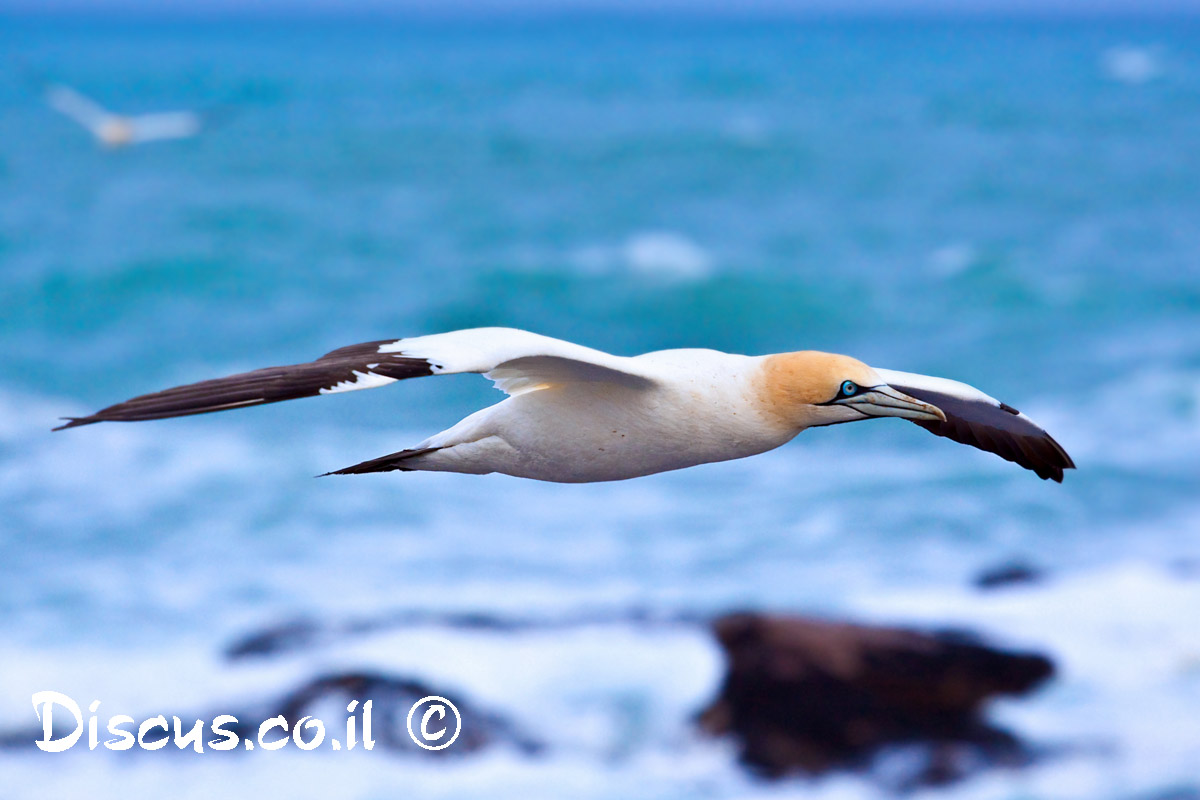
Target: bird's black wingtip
354	470
74	422
1064	461
346	471
1056	470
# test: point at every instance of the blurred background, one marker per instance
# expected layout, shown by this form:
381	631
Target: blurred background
1006	195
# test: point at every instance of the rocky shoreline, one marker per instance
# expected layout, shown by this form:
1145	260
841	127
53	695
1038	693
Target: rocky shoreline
799	695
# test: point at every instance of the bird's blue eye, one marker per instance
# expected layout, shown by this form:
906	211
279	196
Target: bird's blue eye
849	388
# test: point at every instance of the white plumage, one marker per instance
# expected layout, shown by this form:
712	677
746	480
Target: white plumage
120	130
575	414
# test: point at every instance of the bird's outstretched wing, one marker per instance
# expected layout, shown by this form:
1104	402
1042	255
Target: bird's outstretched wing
71	103
164	125
518	361
981	421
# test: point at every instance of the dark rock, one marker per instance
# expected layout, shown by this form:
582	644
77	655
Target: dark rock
326	698
294	635
392	698
298	635
1189	792
1013	573
809	696
22	738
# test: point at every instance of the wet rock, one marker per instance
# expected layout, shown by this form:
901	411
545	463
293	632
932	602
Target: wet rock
284	637
1189	792
299	635
326	698
392	698
809	696
1012	573
21	738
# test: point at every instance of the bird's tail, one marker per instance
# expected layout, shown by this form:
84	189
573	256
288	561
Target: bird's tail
388	463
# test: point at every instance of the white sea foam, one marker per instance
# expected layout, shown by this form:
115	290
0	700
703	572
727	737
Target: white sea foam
952	259
209	511
668	254
748	130
661	254
1120	632
1163	436
210	531
612	702
615	701
1132	65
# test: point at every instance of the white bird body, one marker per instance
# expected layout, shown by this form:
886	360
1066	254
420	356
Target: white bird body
703	406
578	415
120	130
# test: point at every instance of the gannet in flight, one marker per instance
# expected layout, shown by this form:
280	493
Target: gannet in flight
576	415
119	130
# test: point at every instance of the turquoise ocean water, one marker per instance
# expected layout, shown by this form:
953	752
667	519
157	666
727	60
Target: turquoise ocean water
1014	205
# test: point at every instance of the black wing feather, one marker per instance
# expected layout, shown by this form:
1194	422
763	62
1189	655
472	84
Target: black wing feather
268	385
996	429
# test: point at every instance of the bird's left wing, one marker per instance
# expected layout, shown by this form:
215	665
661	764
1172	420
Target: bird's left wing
982	421
71	103
165	125
518	361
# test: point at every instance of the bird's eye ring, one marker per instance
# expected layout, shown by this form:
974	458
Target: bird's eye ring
849	388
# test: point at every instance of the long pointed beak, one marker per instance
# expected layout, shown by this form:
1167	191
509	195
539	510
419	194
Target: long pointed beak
884	401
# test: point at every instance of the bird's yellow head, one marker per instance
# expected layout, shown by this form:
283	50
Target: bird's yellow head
809	388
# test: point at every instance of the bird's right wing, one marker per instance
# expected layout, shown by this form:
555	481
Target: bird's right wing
165	125
71	103
980	420
518	361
